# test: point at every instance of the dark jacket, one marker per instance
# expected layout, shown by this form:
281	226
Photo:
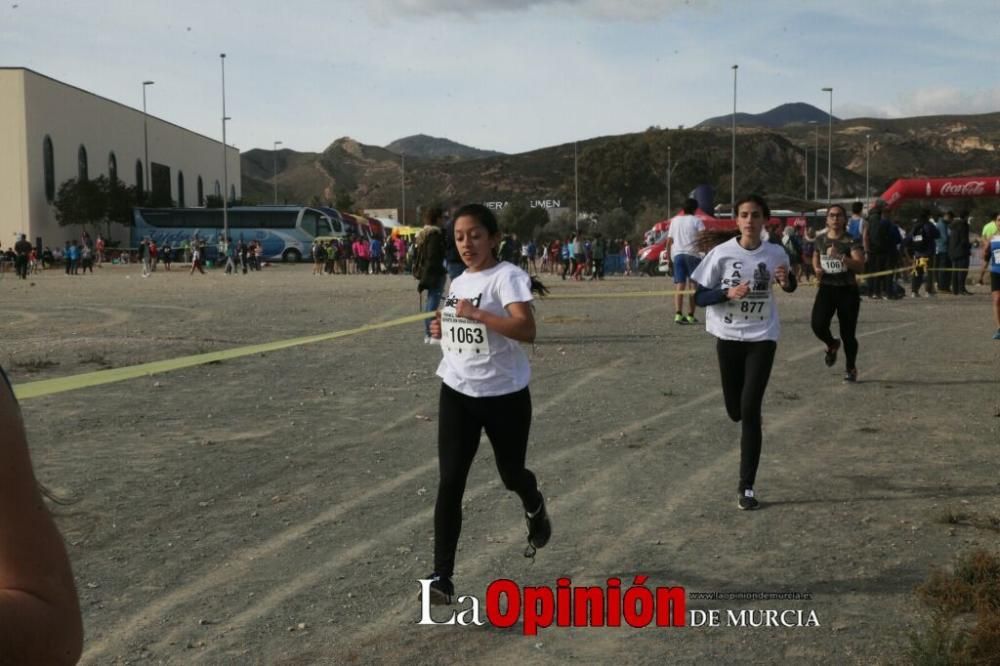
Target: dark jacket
959	246
921	239
430	258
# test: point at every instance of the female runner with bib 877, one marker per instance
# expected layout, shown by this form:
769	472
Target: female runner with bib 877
485	374
734	285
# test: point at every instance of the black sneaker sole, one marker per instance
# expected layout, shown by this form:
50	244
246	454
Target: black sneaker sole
831	356
751	507
542	532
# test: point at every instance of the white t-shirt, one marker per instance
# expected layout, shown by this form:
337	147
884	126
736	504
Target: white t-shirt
684	230
469	366
755	317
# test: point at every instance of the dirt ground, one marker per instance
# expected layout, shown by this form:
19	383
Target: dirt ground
277	509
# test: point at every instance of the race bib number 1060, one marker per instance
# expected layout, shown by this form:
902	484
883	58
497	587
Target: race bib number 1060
463	336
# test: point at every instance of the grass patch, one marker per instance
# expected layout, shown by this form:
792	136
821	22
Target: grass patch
33	364
970	519
95	358
964	607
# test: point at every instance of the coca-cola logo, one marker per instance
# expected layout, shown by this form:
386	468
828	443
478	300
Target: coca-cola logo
971	189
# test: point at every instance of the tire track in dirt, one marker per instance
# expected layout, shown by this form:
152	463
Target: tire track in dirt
306	580
245	559
393	617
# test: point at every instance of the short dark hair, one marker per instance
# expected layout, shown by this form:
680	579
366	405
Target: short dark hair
842	209
856	207
481	214
757	199
690	206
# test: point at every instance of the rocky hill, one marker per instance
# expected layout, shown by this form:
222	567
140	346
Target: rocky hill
629	171
431	147
779	116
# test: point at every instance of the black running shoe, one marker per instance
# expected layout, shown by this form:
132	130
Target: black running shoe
831	354
851	376
442	590
539	527
747	501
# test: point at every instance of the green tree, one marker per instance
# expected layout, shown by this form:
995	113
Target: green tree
95	202
521	219
344	201
79	202
616	224
119	200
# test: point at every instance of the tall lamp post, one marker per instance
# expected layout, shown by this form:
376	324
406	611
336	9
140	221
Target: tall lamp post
275	153
402	185
732	199
670	172
829	151
225	165
145	135
805	168
868	152
576	190
816	153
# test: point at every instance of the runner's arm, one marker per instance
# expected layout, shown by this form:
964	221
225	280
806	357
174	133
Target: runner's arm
39	611
520	325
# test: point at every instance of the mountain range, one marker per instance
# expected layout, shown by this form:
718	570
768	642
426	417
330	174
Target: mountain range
629	171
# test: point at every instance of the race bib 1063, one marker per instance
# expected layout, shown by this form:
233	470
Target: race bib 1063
463	336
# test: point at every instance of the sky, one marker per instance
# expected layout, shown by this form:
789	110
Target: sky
513	75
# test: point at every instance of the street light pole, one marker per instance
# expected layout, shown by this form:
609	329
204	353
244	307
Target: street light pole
225	166
816	170
868	153
732	198
402	184
829	151
670	173
275	153
576	190
145	135
805	168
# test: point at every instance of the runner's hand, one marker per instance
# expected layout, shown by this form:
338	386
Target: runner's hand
738	292
781	275
436	325
465	309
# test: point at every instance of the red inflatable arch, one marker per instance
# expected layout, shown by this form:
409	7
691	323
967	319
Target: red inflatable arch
940	188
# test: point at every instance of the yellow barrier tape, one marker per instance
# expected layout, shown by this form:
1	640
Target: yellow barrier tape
46	387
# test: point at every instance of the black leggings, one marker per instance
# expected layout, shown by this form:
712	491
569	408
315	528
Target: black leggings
746	367
846	303
461	420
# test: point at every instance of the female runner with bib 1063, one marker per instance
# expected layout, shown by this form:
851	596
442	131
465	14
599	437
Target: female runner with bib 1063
485	374
837	258
734	285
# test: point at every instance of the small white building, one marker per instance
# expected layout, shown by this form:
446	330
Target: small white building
51	131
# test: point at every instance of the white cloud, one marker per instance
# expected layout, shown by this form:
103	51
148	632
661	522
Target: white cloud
633	10
946	100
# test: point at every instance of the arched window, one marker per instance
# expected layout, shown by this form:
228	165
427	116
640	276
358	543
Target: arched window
180	189
48	160
140	182
232	193
81	164
112	168
201	192
218	189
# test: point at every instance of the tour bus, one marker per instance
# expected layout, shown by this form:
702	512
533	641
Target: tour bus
286	233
